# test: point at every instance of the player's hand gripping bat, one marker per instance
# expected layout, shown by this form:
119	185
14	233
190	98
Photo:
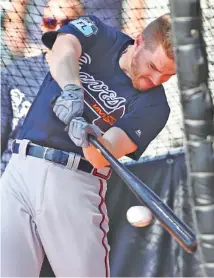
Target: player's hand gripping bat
178	229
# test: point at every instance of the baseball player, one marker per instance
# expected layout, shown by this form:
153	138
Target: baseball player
100	82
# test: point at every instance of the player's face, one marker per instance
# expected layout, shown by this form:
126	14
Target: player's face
150	69
57	14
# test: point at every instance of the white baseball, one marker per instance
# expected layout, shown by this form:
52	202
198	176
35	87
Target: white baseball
139	216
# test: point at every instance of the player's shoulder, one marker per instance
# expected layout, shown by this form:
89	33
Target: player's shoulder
154	96
97	25
88	25
106	36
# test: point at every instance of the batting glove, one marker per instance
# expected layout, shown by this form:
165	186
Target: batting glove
78	131
70	103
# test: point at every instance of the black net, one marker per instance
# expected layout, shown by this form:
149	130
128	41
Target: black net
198	115
21	37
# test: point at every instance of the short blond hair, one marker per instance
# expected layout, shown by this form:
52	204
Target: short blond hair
158	32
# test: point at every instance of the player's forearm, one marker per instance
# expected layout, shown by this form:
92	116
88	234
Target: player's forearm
116	141
95	157
65	68
64	60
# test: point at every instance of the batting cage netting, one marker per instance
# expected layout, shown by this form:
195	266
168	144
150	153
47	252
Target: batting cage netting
198	121
24	68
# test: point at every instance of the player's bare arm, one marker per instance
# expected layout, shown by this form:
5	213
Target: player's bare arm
116	141
64	60
64	68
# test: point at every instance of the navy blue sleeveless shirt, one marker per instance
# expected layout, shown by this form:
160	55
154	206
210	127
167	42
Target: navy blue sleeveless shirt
110	99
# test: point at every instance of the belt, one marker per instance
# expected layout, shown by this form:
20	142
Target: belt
53	155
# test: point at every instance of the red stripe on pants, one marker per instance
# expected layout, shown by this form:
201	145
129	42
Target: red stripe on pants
104	232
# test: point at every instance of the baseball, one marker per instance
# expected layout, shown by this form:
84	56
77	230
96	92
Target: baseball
139	216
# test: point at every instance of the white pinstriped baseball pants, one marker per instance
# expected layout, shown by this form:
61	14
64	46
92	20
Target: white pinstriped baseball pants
48	208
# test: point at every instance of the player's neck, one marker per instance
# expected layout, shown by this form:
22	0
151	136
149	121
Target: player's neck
125	60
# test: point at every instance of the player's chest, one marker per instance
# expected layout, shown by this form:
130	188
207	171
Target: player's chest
104	80
106	93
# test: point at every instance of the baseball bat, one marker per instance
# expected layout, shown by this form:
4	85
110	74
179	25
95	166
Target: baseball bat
178	229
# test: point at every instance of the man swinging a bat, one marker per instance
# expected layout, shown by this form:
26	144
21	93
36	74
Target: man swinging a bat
101	82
